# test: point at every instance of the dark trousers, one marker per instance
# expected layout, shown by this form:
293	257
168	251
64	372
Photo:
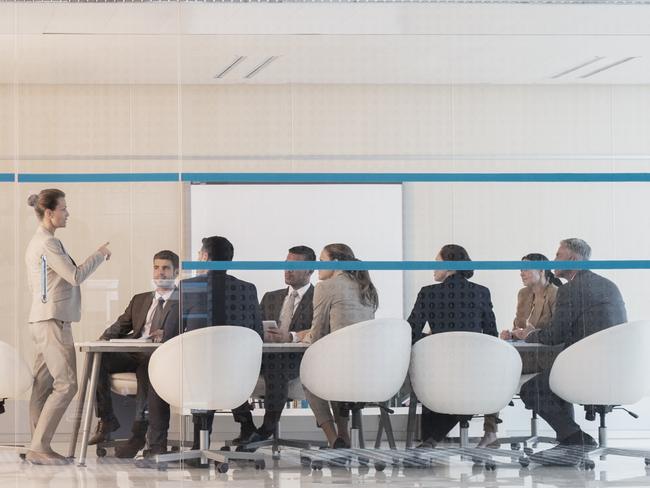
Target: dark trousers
537	396
158	422
436	425
241	414
278	369
122	362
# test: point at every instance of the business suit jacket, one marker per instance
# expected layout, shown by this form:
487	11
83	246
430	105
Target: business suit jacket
587	304
217	298
63	278
456	304
337	304
537	310
272	302
132	321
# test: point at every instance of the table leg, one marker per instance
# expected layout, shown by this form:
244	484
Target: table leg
88	408
81	399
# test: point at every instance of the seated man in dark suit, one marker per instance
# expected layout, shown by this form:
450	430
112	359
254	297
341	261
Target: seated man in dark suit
588	303
292	308
152	315
217	298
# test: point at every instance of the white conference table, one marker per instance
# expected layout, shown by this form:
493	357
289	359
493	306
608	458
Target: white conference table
92	361
90	373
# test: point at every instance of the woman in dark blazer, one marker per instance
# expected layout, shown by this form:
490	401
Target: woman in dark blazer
453	304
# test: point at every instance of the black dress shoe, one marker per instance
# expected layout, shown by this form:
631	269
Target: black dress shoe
571	451
579	438
104	430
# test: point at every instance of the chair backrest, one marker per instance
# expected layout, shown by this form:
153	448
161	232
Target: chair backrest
15	376
609	367
464	373
363	362
207	369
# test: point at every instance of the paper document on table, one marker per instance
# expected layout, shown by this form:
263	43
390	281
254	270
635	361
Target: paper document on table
130	340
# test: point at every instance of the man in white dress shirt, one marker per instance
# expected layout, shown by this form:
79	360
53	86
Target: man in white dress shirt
292	308
149	316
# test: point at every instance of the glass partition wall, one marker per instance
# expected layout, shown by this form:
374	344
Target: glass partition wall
175	137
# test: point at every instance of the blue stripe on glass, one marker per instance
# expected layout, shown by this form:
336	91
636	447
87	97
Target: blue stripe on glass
97	177
415	177
414	265
395	178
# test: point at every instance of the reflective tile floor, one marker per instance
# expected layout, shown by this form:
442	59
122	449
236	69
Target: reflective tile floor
287	473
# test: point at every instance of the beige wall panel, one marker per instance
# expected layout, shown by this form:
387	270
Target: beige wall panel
82	120
372	119
532	120
7	128
236	120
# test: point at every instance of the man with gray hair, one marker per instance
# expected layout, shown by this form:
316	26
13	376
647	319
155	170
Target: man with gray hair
586	304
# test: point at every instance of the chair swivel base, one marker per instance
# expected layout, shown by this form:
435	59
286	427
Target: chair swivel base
220	458
581	457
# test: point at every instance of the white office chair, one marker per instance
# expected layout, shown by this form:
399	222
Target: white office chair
15	380
464	374
215	368
366	363
606	369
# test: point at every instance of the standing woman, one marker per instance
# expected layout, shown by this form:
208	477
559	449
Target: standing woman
54	280
341	298
453	304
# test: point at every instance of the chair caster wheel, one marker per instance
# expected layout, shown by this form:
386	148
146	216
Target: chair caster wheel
305	462
24	456
161	467
363	461
490	466
647	460
222	467
515	446
225	448
524	462
175	449
587	464
317	465
528	451
379	466
260	464
101	452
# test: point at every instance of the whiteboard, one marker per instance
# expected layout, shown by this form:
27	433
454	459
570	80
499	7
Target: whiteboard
264	221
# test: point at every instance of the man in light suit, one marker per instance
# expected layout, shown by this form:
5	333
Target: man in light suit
587	304
152	315
292	308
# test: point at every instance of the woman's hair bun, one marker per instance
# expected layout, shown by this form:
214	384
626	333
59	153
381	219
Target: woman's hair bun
32	200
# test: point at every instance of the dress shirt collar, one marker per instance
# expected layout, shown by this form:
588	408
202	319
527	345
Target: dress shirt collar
165	296
301	291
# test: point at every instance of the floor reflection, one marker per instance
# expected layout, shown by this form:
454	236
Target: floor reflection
287	473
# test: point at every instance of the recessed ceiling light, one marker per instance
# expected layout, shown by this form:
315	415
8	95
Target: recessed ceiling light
611	65
575	68
237	60
263	65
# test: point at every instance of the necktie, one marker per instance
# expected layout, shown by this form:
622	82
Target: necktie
286	314
156	320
